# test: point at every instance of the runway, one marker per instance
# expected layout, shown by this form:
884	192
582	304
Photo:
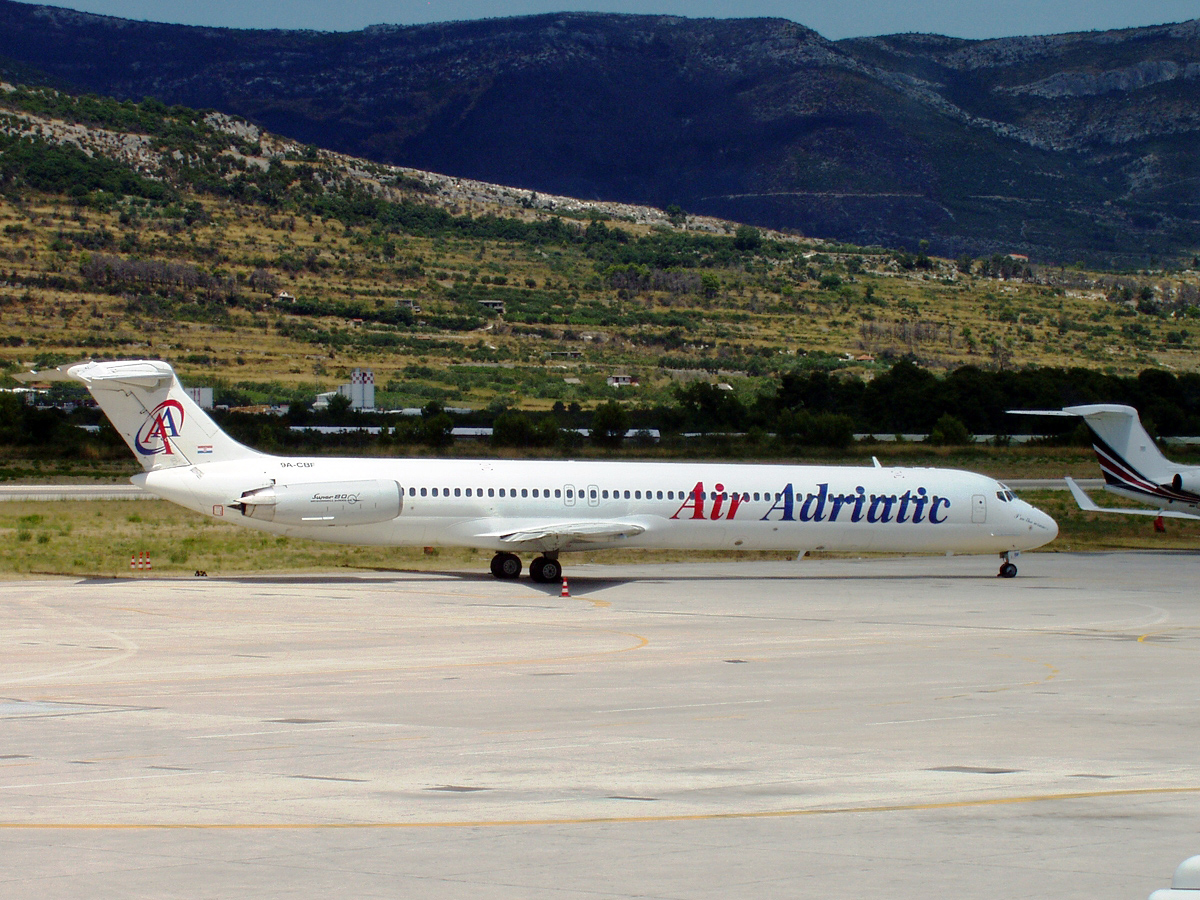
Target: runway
894	728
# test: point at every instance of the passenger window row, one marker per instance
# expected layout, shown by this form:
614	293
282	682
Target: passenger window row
557	493
491	492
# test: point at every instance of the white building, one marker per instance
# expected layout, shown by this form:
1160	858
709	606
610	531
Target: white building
360	391
202	395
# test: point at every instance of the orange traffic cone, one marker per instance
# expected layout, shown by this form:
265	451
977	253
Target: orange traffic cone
566	592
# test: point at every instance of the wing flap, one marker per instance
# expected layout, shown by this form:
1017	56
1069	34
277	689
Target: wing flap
564	533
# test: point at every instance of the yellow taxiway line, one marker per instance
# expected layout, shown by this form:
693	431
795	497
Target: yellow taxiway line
606	820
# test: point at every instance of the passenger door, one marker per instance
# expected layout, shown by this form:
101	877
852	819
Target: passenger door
979	508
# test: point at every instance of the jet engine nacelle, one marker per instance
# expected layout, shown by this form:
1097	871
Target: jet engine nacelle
324	503
1187	480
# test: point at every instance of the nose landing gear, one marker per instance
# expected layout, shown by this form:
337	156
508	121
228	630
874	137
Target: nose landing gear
1007	569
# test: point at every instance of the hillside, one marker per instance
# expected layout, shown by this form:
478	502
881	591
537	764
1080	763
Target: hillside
1062	148
246	258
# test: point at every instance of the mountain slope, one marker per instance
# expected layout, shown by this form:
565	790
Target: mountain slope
133	228
1065	147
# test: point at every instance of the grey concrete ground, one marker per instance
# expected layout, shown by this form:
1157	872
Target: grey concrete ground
44	492
895	728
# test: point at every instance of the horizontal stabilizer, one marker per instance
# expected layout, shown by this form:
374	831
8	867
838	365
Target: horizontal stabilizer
1087	504
1060	413
59	373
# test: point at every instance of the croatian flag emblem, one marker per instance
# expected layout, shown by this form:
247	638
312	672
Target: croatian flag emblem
204	448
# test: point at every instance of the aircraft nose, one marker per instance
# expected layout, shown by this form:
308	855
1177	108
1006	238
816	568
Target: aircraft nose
1042	528
1048	523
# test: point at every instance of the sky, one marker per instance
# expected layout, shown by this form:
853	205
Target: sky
834	19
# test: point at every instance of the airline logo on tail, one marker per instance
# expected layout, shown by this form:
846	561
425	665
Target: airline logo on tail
160	428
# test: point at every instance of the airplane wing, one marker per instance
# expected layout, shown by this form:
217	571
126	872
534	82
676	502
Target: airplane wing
1087	504
562	535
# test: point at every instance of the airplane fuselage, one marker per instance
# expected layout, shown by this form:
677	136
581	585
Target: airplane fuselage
547	505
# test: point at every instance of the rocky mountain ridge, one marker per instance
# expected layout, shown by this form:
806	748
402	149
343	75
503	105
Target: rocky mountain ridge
1061	147
143	154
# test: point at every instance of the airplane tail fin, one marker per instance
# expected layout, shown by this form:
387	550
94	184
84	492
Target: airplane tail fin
161	423
1128	455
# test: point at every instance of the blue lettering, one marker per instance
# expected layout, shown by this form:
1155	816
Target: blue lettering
809	513
903	510
785	497
933	510
880	500
859	500
919	504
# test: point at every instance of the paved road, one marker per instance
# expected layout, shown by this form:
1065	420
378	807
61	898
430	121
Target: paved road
901	728
72	492
1053	484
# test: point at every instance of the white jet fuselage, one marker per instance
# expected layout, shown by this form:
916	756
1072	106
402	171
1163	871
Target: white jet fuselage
551	506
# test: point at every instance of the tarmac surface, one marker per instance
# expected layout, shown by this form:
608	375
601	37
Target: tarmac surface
892	728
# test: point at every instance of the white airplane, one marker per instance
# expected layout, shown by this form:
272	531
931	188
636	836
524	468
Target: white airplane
1132	464
545	507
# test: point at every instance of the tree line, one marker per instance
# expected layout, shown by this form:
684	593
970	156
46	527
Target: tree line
813	408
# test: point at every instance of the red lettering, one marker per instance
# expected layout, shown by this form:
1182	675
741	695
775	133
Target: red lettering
694	501
163	429
718	500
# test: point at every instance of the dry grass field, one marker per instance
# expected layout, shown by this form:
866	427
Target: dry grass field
567	324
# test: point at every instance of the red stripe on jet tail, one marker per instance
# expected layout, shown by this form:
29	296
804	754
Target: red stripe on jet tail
1120	470
1128	477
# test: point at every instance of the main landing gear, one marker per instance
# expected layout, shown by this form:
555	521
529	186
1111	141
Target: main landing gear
543	570
1007	569
506	565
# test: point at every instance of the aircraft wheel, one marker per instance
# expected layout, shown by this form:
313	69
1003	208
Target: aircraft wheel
1008	570
535	569
506	565
545	571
